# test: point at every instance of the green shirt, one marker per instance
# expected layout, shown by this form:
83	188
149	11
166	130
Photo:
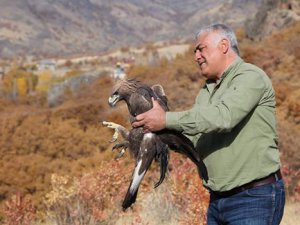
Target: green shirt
232	125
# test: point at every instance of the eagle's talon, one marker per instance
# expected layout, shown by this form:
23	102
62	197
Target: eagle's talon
121	154
115	135
112	126
113	140
116	146
123	150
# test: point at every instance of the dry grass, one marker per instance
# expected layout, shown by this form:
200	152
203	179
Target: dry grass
69	140
155	207
291	213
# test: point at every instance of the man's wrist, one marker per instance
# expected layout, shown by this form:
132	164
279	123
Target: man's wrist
172	121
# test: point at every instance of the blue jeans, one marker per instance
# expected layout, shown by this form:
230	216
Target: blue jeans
262	205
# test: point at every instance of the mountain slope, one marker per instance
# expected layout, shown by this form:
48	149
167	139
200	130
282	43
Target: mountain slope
62	27
273	15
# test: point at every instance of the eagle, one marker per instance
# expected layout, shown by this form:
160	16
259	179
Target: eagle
145	147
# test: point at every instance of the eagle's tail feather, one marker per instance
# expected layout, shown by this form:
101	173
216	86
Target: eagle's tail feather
129	200
163	161
145	158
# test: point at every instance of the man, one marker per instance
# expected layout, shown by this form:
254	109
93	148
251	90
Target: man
232	125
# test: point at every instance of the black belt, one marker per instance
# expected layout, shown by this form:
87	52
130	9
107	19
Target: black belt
272	178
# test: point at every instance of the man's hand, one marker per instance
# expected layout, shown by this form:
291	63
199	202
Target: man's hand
152	120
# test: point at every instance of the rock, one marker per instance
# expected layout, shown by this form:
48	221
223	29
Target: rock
273	15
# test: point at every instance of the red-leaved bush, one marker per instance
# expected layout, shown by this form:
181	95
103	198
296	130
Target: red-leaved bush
19	211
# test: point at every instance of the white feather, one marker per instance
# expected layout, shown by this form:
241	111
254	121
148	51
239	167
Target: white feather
136	178
148	136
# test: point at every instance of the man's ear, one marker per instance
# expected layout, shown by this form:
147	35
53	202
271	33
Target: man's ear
225	45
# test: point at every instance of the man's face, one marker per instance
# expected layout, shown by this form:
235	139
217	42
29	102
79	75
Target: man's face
208	55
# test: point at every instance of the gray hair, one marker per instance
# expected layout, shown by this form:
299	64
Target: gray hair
223	30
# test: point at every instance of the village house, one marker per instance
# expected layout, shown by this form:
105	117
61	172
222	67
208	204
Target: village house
46	64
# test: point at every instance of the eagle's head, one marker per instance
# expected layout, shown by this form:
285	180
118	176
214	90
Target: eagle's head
122	90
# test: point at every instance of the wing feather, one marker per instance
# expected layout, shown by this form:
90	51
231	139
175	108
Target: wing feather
145	157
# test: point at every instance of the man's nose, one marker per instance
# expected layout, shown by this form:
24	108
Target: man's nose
198	55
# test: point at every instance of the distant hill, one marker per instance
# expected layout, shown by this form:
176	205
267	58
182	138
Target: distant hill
68	27
37	141
272	15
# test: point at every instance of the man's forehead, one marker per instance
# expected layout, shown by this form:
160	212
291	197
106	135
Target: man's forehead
202	39
207	37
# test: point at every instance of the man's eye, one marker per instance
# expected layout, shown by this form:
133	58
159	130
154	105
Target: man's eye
196	49
199	48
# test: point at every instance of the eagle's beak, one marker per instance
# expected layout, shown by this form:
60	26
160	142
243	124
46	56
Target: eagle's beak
113	99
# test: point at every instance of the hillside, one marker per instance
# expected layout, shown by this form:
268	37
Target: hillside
272	15
60	157
37	141
74	27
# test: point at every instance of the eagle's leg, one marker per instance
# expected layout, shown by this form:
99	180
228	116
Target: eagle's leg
118	129
124	146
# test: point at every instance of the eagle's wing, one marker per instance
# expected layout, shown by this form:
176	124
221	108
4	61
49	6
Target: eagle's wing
160	93
159	90
146	155
139	102
179	143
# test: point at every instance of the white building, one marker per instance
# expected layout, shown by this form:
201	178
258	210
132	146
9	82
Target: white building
46	65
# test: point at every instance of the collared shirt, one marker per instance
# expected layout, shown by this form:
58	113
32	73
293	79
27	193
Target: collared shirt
233	127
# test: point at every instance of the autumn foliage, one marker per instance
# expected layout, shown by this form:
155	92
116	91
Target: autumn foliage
59	159
19	210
